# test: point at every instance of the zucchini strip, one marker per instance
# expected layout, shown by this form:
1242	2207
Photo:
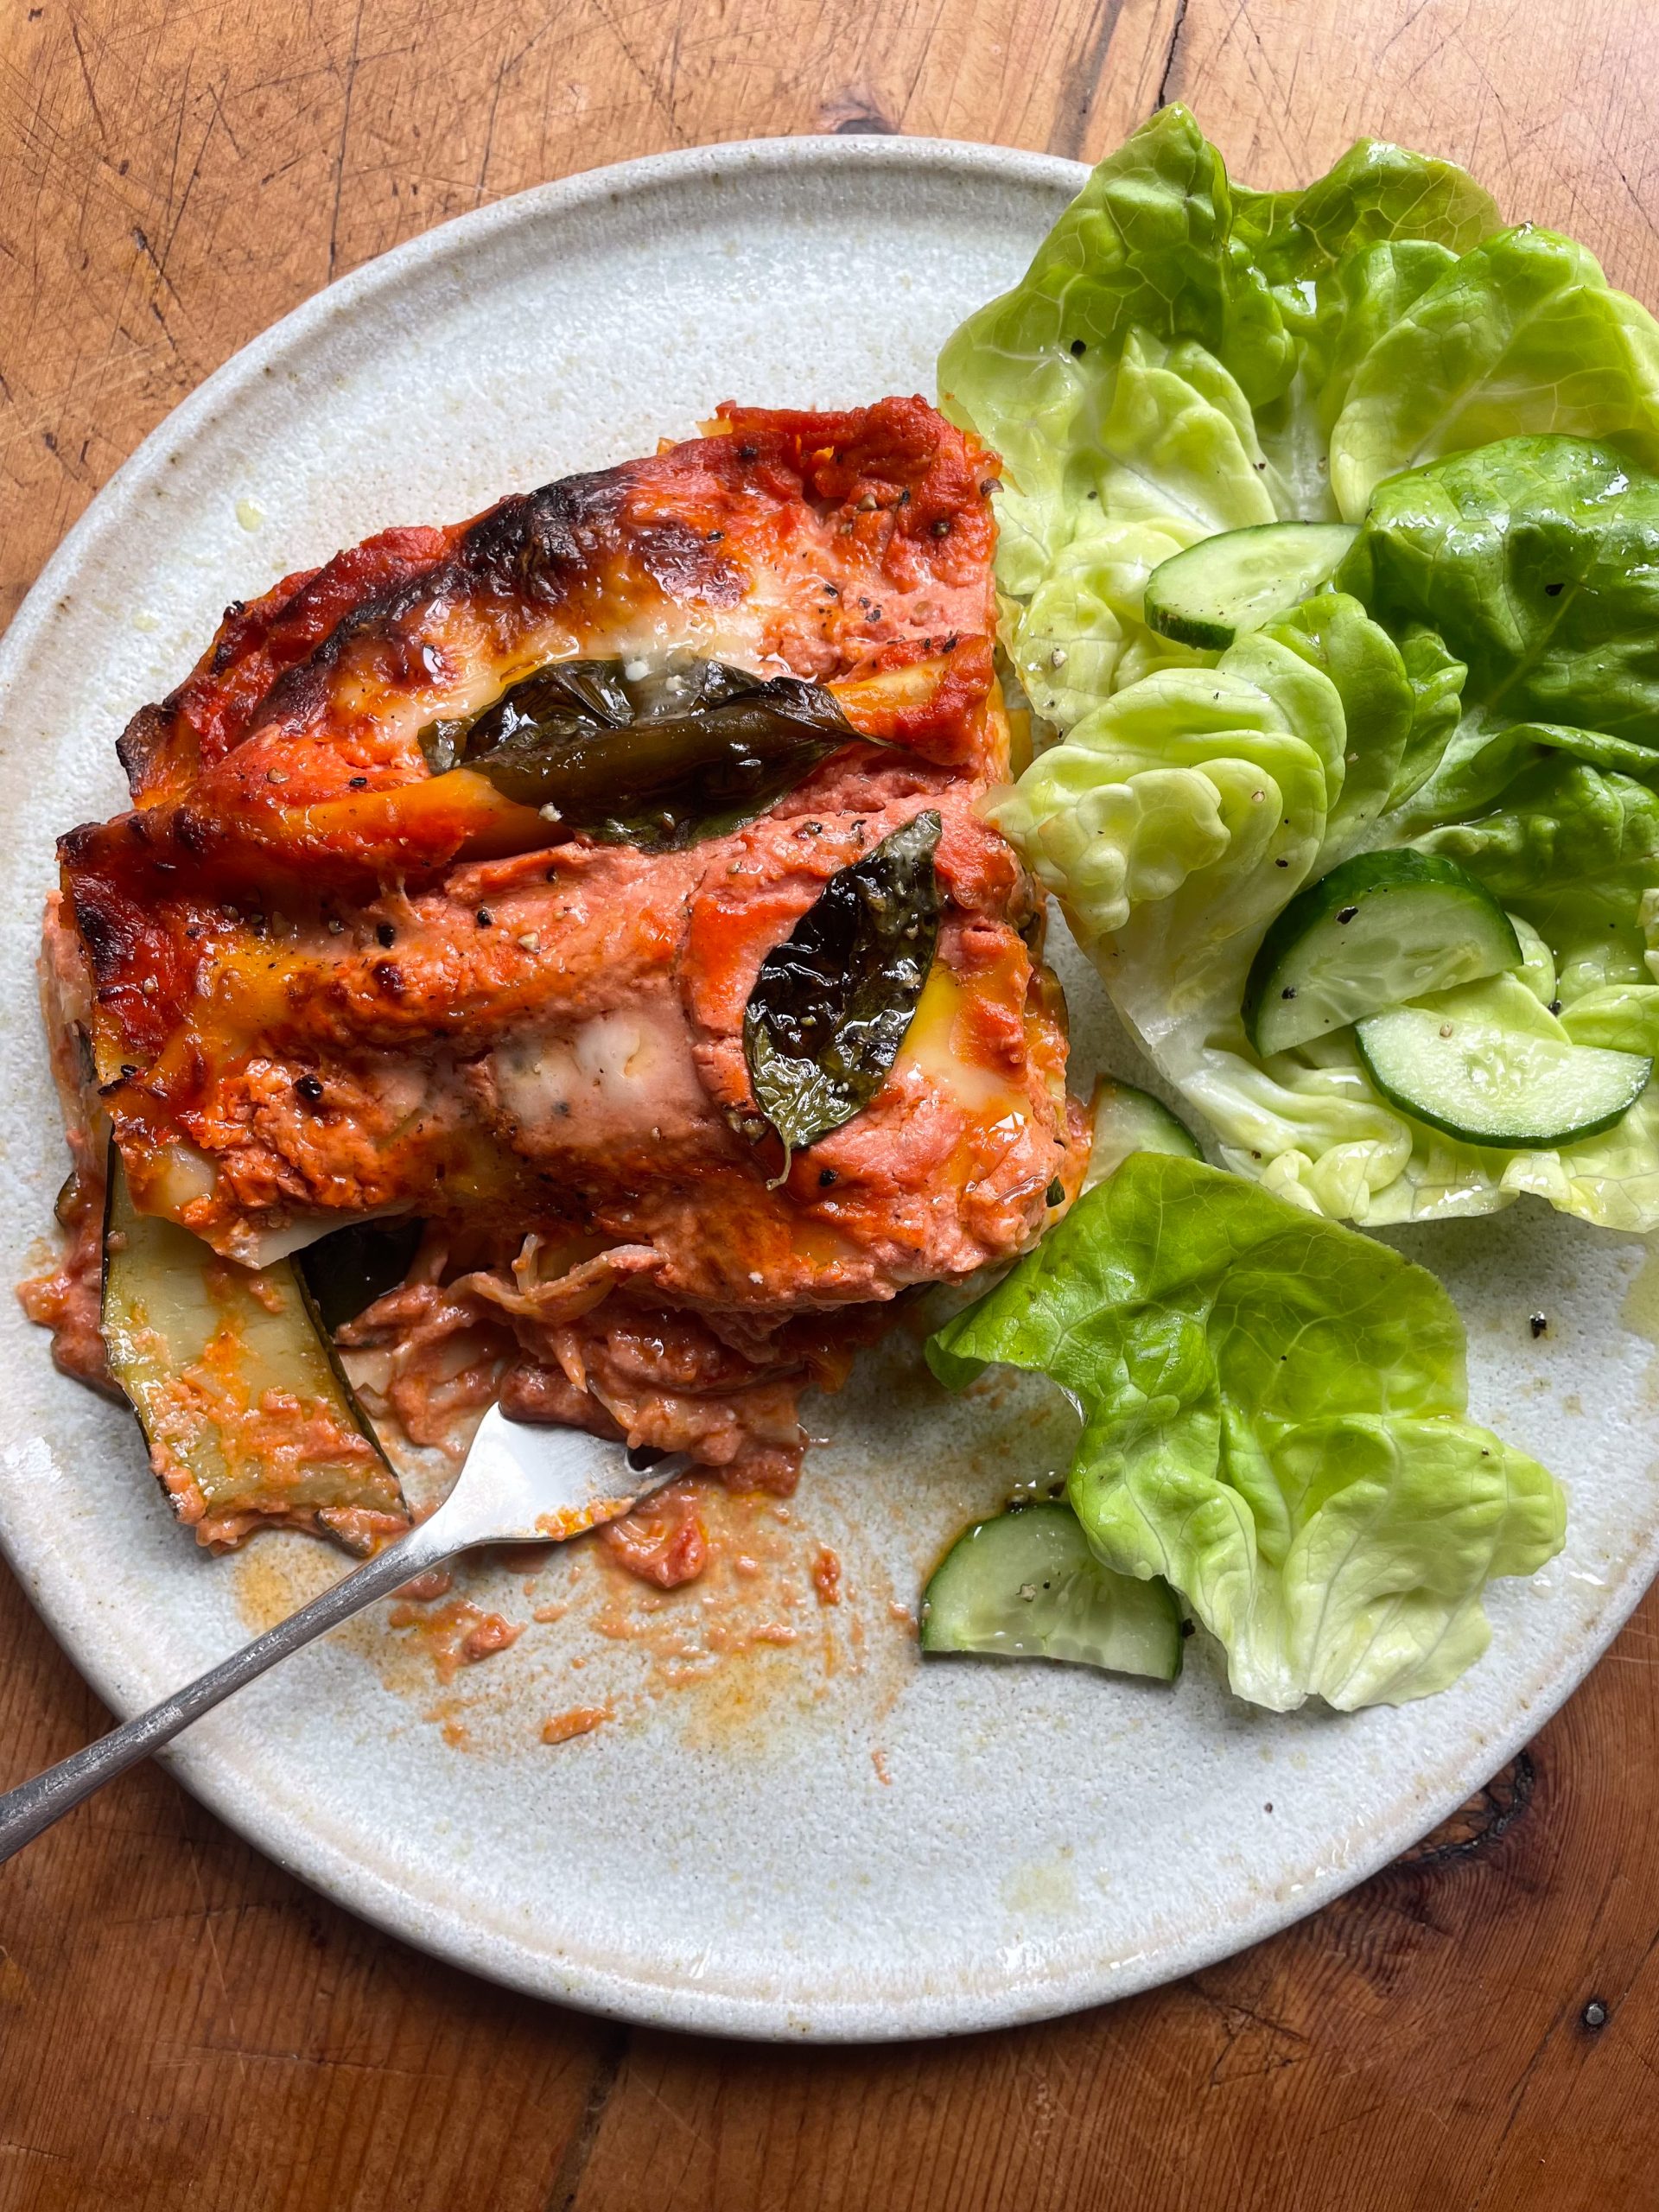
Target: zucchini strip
249	1417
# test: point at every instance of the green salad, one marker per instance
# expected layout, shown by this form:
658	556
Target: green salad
1330	533
1273	1426
1329	571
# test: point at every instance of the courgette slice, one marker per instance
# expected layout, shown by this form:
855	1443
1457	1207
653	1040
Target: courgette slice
1127	1120
1492	1084
249	1420
1382	928
1026	1586
1241	579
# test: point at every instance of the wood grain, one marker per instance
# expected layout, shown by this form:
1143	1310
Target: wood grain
1544	106
178	176
180	2023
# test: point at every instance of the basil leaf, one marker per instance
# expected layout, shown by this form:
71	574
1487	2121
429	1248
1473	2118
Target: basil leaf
832	1003
659	760
346	1271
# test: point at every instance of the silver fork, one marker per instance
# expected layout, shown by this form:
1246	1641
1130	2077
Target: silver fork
517	1485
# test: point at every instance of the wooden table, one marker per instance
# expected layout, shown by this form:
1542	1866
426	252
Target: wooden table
181	2024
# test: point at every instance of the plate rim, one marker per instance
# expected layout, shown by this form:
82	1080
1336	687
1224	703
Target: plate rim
213	1774
581	188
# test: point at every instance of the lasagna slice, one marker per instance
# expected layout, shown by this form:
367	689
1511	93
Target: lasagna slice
595	894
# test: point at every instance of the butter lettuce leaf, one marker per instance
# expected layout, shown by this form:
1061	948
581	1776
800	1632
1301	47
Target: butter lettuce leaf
1536	560
1333	634
1275	1419
1376	194
1147	245
1189	796
1523	334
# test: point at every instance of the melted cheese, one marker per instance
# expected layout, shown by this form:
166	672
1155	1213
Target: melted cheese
939	1047
621	1077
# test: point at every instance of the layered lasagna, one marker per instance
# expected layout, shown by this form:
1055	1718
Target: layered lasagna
576	929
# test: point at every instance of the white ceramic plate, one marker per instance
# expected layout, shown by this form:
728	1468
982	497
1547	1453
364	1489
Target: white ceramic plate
788	1825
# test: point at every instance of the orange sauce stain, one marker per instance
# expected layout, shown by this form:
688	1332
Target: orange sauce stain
274	1576
456	1634
773	1626
879	1761
437	1582
741	1600
448	1716
581	1721
726	1640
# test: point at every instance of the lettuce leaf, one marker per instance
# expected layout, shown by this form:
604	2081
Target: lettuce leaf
1274	1419
1523	334
1187	798
1375	194
1536	560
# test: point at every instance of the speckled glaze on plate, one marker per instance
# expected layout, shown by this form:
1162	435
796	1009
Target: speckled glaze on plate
786	1825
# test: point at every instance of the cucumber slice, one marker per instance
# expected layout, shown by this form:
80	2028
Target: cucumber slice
1127	1120
1494	1084
1382	928
1242	579
1026	1586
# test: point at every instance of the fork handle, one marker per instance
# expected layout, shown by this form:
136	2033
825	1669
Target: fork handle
33	1806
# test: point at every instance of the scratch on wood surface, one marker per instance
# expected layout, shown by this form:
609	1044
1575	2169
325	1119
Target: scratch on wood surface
674	2114
216	93
194	1858
1401	28
568	2180
489	135
348	90
923	53
1519	2100
653	89
87	79
169	224
141	240
1172	58
8	2150
378	2068
1083	80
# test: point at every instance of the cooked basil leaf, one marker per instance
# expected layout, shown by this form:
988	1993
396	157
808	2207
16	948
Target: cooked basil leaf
658	760
832	1004
346	1271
